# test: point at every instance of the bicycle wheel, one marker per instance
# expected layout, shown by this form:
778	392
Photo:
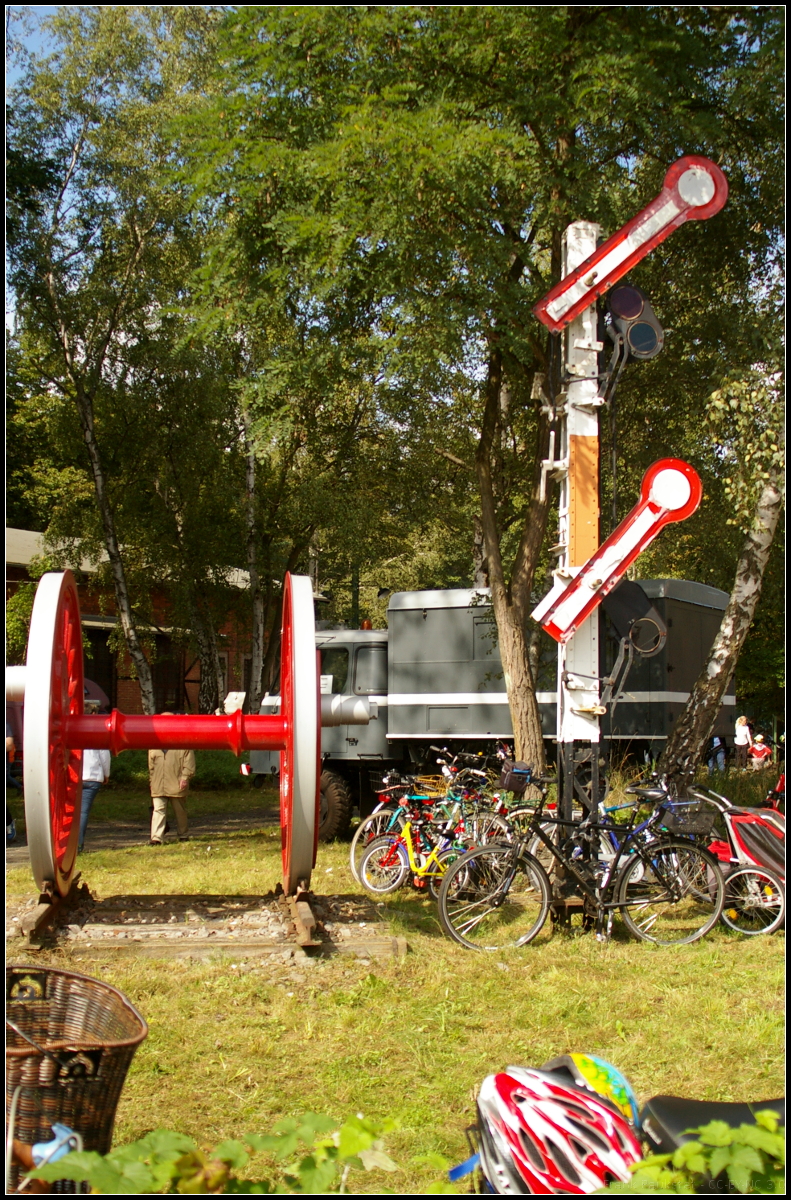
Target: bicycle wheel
670	893
374	826
494	897
520	819
540	851
445	859
754	901
385	866
485	827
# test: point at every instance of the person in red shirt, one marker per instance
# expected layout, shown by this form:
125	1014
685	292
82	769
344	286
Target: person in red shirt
759	753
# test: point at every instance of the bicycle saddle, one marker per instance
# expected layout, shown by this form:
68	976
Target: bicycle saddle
648	793
664	1119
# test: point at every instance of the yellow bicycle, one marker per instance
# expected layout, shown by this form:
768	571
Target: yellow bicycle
388	860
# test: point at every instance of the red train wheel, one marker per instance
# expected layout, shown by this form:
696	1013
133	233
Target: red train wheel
300	761
53	772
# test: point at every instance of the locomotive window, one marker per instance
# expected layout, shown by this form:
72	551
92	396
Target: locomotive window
370	671
335	662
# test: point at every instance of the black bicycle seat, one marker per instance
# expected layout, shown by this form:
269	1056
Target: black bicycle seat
648	793
665	1119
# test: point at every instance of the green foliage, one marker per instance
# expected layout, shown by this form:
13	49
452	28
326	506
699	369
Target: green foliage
215	769
752	1158
177	393
166	1162
316	1157
18	611
312	232
747	417
107	450
402	176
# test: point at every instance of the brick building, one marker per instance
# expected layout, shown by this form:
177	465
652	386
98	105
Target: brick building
175	668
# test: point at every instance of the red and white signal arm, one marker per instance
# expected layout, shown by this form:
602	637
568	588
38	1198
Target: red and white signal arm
671	491
694	189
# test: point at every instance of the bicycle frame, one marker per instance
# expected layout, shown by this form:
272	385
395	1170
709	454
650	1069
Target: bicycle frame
595	895
456	809
404	838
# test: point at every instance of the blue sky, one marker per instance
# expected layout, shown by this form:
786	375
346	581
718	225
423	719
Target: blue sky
28	32
33	41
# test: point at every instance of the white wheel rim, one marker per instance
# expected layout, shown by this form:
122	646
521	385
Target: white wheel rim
52	772
299	776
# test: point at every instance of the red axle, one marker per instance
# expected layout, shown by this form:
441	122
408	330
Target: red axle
120	731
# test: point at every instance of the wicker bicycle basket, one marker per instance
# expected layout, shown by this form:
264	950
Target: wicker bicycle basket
433	785
689	817
88	1033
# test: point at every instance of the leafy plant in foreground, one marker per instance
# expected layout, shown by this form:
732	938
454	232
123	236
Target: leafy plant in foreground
751	1156
167	1162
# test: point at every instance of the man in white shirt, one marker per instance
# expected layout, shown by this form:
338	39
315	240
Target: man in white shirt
95	772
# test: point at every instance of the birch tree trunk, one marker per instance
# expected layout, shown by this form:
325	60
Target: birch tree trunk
259	631
693	729
511	602
133	644
209	698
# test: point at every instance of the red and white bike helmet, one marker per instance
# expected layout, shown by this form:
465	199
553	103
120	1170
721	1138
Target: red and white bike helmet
541	1137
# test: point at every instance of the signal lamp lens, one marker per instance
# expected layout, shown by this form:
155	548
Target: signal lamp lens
643	340
626	303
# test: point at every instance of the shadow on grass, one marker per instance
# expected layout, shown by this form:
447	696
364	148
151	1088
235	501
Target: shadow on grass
416	913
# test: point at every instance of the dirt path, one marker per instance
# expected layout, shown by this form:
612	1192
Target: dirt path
119	835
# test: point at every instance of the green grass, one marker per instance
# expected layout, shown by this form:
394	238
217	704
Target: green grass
233	1047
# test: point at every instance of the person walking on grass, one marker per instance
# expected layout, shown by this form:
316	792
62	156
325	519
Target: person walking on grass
169	774
742	740
95	772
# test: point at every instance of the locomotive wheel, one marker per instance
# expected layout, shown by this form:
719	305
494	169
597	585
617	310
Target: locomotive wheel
55	731
53	772
300	761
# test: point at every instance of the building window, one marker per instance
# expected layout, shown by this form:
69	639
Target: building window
167	672
100	663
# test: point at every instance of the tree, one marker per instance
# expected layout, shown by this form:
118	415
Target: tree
748	416
88	247
329	476
169	429
207	449
409	170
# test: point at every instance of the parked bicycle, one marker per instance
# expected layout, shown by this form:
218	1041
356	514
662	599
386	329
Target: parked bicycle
749	845
422	841
464	812
668	889
388	861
